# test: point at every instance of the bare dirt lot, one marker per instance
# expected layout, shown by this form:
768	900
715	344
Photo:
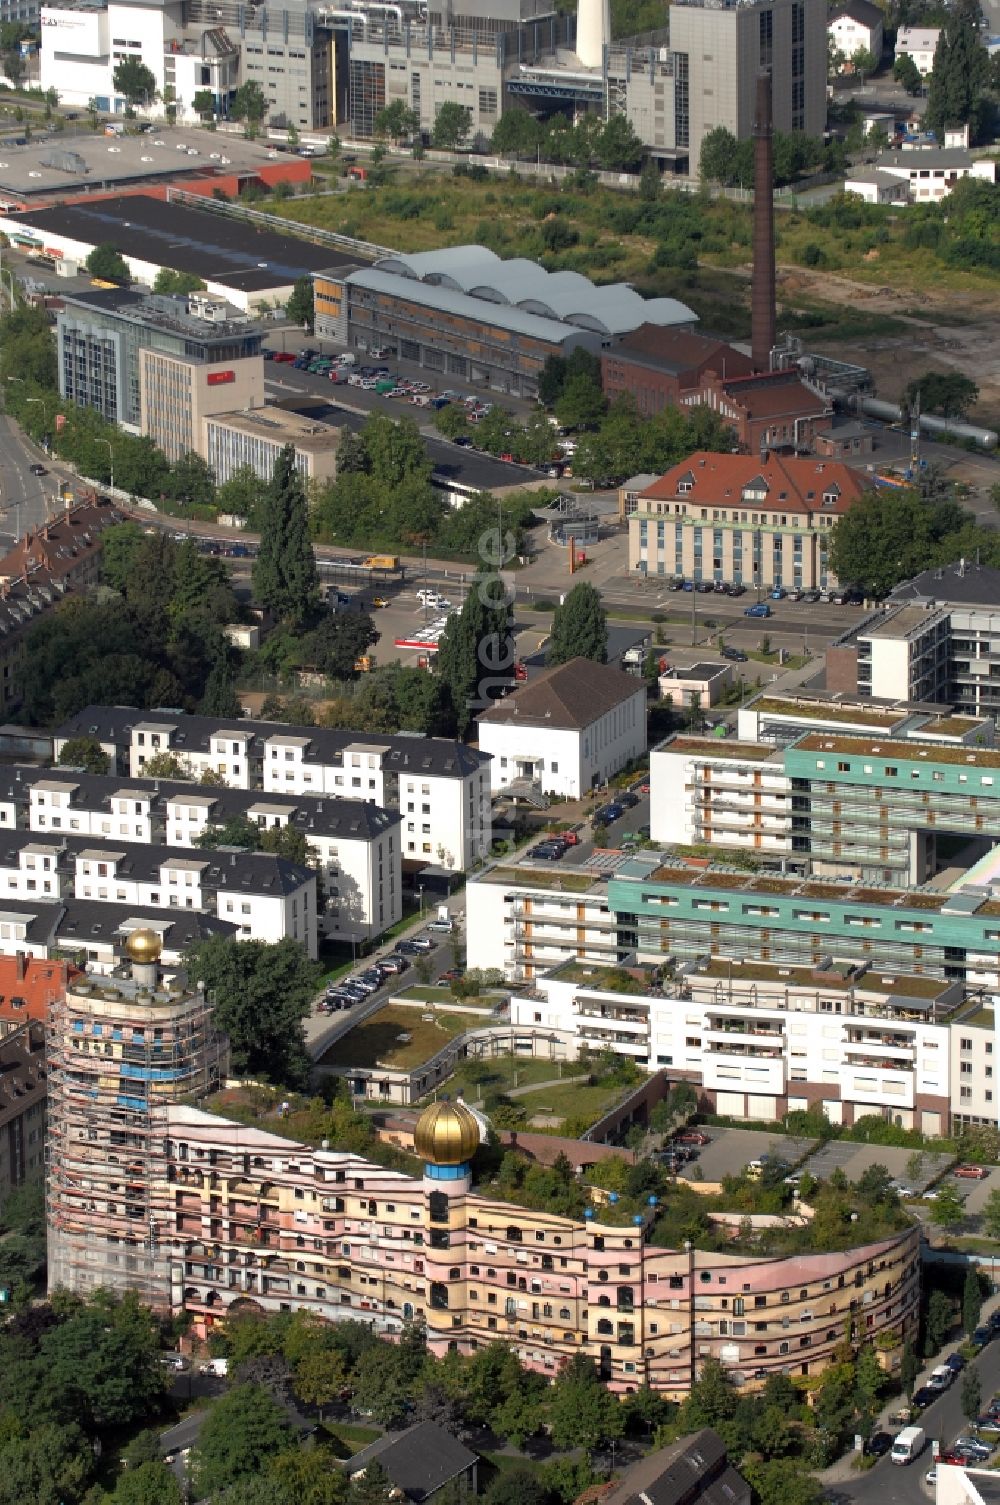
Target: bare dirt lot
955	331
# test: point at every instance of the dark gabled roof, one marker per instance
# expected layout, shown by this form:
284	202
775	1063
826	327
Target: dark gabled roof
312	814
964	583
435	756
70	923
419	1461
225	867
572	695
695	1469
22	1070
861	11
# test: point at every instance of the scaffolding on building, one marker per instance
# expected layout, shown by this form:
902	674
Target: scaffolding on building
118	1055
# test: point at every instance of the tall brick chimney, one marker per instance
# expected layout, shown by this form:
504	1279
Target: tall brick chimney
762	287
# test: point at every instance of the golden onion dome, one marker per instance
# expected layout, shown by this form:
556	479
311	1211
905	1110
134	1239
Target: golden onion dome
446	1134
144	946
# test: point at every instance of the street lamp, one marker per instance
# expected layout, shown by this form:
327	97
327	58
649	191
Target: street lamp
420	891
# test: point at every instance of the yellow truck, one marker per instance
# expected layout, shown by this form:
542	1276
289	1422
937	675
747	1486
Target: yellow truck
382	562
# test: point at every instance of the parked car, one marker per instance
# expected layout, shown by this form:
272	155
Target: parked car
365	984
981	1337
441	927
736	654
955	1362
735	589
172	1361
972	1445
422	943
878	1444
692	1136
779	593
760	610
408	948
629	800
379	601
971	1172
931	1475
543	853
39	470
394	964
923	1397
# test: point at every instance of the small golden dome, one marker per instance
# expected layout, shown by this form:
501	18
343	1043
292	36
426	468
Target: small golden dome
446	1134
144	946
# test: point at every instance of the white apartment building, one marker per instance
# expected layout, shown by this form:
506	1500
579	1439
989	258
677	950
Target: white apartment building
356	843
706	790
83	44
919	43
94	933
930	173
759	1040
524	921
568	730
856	26
781	719
266	898
975	1059
440	787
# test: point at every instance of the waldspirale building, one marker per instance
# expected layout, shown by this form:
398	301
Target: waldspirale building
203	1215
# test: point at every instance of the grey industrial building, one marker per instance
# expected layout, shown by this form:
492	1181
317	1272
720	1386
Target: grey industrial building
465	312
674	85
101	334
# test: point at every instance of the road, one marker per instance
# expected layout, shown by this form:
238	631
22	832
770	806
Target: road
25	500
889	1484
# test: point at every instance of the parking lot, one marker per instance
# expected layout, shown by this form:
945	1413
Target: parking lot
732	1149
854	1159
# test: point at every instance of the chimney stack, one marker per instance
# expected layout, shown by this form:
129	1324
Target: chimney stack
762	288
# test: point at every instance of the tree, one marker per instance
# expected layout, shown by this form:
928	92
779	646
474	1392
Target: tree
946	392
165	765
396	120
581	404
579	628
906	72
948	1209
106	263
263	991
782	1481
516	134
889	536
285	578
169	281
650	181
909	1369
972	1301
961	69
475	660
373	1487
191	481
381	1385
88	754
517	1418
250	104
619	149
971	1394
242	1433
452	124
104	1362
134	81
991	1215
50	1465
319	1377
582	1411
203	103
516	1486
149	1484
937	1322
299	307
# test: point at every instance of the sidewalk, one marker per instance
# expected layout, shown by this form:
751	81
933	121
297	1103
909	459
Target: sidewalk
843	1469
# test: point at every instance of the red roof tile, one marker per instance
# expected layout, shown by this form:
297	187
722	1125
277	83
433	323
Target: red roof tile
28	984
792	484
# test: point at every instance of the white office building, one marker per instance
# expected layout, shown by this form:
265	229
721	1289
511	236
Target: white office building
567	731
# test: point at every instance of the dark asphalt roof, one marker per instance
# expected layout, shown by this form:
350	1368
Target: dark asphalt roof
418	1461
69	923
216	247
313	814
411	754
451	461
964	583
225	868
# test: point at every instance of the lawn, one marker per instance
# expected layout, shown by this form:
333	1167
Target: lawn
377	1040
572	1101
479	1078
